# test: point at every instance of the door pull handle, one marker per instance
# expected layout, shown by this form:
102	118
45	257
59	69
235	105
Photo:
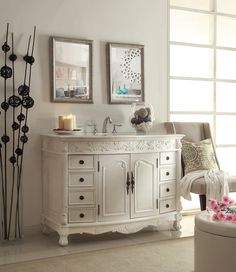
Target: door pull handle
132	182
127	183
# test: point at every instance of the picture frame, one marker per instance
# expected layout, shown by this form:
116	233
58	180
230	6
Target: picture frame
125	66
71	70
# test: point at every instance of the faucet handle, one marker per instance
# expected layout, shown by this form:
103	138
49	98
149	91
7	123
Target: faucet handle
94	128
114	127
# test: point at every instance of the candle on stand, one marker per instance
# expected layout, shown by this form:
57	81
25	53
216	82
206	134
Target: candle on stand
69	122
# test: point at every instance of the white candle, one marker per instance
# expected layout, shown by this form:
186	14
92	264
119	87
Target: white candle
68	123
61	122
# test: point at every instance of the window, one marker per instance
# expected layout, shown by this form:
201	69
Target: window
202	70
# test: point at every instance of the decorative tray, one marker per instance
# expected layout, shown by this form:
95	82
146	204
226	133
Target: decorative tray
61	131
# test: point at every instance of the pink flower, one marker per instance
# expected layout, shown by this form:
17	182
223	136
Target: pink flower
229	217
234	218
214	205
215	208
226	199
213	202
226	202
220	215
223	205
215	218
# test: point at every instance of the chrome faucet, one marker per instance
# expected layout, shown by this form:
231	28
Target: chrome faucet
104	127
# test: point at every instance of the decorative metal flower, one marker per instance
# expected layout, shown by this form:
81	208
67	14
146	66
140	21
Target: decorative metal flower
11	182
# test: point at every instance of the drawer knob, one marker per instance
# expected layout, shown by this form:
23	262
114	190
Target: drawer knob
167	158
167	190
167	206
81	197
81	162
167	173
81	215
81	179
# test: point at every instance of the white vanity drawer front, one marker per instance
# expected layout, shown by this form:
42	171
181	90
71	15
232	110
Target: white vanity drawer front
81	197
81	179
167	157
80	215
167	189
167	173
167	205
81	162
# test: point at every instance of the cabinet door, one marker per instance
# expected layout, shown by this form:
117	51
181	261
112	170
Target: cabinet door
144	195
113	197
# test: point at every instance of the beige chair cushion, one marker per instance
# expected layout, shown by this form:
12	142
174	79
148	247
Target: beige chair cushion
198	156
199	185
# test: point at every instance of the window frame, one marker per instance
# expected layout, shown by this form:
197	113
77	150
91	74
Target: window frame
212	79
213	113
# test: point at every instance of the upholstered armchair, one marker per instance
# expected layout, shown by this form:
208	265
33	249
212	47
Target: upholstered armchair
195	132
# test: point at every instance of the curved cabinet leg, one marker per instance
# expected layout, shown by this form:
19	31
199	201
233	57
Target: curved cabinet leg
63	240
176	223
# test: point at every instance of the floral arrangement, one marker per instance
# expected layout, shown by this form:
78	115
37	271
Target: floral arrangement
142	117
224	210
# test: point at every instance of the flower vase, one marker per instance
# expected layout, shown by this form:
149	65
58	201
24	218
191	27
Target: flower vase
142	117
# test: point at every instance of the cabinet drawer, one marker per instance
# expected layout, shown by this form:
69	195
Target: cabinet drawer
167	189
81	162
167	173
79	215
81	179
167	157
81	197
167	205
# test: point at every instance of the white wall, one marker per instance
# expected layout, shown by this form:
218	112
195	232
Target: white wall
129	21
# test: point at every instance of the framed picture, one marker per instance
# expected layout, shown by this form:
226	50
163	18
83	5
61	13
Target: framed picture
125	73
71	73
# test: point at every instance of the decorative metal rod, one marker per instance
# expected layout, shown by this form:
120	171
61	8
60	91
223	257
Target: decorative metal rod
6	73
14	101
27	102
22	90
18	150
3	191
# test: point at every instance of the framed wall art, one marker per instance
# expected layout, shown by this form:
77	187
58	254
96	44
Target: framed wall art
71	62
125	73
